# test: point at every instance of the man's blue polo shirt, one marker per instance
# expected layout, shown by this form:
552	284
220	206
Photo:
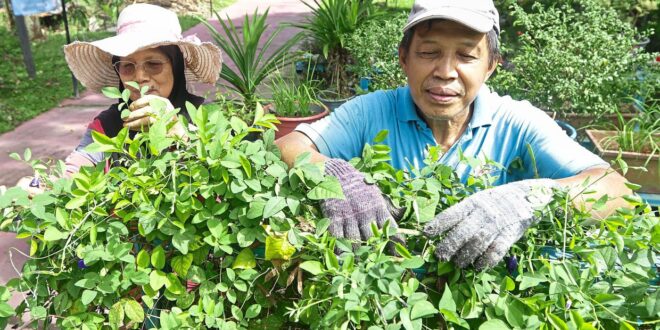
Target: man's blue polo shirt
500	130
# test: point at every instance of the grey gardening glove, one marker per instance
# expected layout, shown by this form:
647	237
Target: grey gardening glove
352	217
481	228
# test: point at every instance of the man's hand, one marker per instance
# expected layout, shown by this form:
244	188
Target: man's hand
143	115
352	217
481	228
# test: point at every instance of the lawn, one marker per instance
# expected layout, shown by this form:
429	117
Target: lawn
22	98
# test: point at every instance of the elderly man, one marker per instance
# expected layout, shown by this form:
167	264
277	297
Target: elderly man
448	51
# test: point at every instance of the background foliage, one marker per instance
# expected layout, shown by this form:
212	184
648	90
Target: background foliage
573	56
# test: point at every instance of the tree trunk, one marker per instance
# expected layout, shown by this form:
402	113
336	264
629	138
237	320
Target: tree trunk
12	24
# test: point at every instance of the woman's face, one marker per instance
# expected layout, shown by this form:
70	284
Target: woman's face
148	67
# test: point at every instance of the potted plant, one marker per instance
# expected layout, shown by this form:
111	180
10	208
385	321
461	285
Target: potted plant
637	142
294	103
250	53
328	26
575	58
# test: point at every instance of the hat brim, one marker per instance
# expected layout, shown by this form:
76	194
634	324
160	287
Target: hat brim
475	21
91	62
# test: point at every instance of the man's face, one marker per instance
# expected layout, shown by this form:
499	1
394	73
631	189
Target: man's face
446	65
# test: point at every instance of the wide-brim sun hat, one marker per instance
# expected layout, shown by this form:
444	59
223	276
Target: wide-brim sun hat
139	27
478	15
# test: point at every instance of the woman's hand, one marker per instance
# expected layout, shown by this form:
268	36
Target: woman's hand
144	111
32	185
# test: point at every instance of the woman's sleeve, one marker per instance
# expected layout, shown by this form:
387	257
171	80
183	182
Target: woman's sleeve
79	157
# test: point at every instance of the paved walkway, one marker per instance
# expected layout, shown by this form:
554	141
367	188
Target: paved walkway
53	134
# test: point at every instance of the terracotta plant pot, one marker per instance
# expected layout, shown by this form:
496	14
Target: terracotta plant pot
649	179
582	120
288	124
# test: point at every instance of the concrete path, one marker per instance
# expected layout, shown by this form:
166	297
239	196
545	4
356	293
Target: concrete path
54	134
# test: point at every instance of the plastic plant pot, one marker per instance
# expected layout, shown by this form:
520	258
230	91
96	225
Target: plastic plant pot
364	83
570	130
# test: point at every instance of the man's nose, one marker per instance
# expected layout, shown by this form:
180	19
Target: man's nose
445	68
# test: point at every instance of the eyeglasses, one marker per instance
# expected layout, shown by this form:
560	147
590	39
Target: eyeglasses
150	67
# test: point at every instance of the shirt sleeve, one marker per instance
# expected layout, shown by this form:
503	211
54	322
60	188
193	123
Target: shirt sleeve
339	135
79	157
550	152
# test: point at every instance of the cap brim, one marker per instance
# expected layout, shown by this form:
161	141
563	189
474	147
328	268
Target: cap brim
474	21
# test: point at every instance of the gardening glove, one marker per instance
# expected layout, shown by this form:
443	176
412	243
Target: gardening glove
364	203
481	228
32	185
143	115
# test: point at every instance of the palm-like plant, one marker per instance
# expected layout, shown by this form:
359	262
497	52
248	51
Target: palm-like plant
331	24
253	65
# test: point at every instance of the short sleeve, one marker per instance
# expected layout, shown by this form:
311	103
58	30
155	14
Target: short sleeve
551	152
339	135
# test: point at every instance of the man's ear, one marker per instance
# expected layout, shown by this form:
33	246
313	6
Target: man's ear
402	59
491	70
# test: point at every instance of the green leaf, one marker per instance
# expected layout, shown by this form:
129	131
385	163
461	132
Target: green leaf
157	279
217	228
111	92
253	311
143	259
447	301
331	259
39	312
414	262
422	309
302	159
158	257
181	264
494	325
402	251
88	296
247	167
514	312
311	266
380	137
27	155
182	239
54	234
329	188
532	280
278	247
245	260
273	206
6	310
556	322
116	315
134	310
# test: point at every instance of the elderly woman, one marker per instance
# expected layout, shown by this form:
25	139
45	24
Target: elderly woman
150	51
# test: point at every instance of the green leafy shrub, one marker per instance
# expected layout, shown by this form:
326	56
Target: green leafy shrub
575	56
329	27
293	98
374	48
119	249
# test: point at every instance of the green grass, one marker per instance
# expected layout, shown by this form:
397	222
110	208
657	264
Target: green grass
22	98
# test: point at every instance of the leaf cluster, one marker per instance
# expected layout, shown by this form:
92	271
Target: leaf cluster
215	231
